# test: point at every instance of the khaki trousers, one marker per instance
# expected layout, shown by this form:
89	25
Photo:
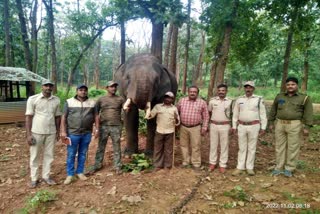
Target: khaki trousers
288	138
247	138
191	138
219	134
45	142
163	148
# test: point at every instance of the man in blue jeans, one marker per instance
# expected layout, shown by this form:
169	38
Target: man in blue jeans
77	121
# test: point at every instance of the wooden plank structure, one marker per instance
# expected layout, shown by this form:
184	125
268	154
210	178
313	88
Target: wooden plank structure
12	98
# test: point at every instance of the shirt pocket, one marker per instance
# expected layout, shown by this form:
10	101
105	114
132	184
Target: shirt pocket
297	107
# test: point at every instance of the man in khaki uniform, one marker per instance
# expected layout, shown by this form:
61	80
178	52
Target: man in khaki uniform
290	110
42	125
219	110
249	117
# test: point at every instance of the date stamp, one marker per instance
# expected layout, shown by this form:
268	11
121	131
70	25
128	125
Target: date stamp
274	205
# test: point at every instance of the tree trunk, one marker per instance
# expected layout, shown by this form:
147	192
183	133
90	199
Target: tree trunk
168	45
34	36
198	73
288	49
7	33
25	41
54	64
174	47
85	74
213	74
186	55
96	65
157	39
123	43
304	85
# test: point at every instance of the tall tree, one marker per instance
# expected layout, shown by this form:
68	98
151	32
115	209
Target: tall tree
34	35
186	50
168	45
8	61
54	64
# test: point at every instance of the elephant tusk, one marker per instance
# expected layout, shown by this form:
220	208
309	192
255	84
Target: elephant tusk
148	110
126	104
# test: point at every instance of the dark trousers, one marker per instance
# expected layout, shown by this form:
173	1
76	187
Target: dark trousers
163	149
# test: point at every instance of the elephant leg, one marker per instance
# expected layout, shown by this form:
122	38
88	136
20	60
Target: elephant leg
151	128
132	126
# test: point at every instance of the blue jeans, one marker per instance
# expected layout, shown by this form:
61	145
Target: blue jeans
80	145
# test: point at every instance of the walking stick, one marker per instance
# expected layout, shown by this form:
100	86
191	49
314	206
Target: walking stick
173	144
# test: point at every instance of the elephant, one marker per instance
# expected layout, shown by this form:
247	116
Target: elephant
143	81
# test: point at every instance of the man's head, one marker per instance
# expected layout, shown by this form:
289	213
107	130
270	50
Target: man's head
193	92
82	91
168	98
292	85
47	87
249	88
112	87
222	91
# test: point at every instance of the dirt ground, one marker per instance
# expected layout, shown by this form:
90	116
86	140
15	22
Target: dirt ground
176	191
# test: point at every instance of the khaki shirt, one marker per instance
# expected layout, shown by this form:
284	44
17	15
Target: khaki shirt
296	107
44	111
109	108
166	116
220	109
247	109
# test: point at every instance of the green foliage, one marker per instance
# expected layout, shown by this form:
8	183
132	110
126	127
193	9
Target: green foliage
93	93
38	201
238	193
142	123
294	199
138	163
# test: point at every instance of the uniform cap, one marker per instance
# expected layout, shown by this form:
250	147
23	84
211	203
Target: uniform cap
82	86
47	82
169	94
249	83
111	83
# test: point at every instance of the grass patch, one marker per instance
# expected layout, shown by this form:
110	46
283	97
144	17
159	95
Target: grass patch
237	193
294	199
138	163
38	203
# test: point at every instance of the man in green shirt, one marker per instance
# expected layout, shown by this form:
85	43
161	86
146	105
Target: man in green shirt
291	113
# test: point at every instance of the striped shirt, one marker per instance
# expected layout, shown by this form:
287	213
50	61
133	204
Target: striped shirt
193	112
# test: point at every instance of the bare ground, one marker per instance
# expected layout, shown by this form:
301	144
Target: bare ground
175	191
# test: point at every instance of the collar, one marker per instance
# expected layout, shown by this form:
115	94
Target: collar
192	100
218	98
252	96
167	105
49	98
76	97
295	94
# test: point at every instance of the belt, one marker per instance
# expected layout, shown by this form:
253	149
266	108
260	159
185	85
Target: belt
288	121
220	123
190	126
249	123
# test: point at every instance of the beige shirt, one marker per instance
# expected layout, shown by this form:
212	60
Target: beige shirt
247	109
220	109
166	116
44	111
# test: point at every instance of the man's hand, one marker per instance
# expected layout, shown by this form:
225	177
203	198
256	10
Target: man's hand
262	132
29	140
271	128
63	136
203	132
305	132
234	131
96	133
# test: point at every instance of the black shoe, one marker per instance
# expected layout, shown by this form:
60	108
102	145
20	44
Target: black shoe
34	184
49	181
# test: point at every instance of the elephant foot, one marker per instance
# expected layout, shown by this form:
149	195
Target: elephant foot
128	153
148	153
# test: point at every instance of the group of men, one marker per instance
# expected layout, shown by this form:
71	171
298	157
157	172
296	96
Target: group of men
245	117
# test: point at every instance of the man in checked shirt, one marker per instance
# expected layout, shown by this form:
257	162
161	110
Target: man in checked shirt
194	119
